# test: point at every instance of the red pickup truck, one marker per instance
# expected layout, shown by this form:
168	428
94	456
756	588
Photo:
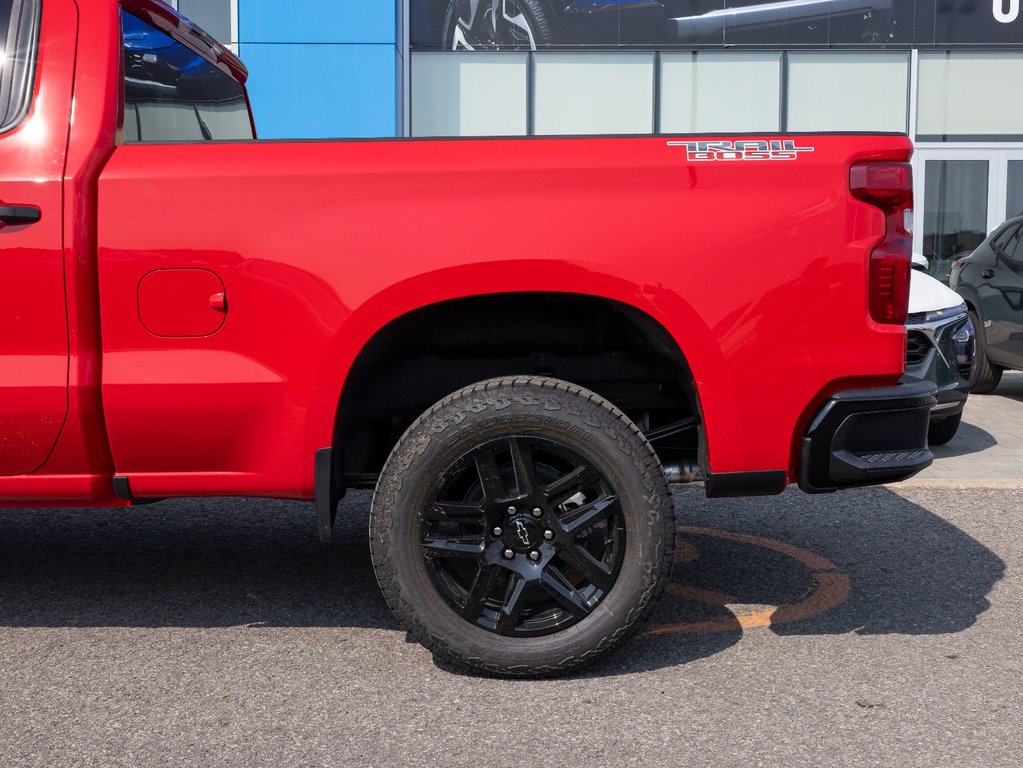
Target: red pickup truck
519	343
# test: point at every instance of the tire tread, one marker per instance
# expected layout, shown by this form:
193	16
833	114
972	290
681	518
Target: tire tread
405	452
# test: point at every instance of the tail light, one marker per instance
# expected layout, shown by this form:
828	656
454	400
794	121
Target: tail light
889	186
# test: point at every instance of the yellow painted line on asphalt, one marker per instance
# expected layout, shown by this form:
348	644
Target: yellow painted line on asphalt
828	589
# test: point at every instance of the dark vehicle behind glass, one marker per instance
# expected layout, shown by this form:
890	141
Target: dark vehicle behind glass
475	24
539	24
991	281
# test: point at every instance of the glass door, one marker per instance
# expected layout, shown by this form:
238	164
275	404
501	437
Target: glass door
956	201
1013	186
962	194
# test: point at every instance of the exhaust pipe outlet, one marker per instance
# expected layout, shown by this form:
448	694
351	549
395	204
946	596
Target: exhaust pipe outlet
683	473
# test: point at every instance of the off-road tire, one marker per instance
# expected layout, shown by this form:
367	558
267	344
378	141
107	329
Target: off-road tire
984	376
542	408
940	432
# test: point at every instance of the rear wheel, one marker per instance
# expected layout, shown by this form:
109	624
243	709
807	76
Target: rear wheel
940	432
522	527
984	376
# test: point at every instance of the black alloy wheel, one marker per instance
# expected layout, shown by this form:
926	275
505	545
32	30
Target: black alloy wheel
522	527
523	536
477	25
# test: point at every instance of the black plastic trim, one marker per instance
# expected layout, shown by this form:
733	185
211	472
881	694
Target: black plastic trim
122	488
364	481
868	436
949	411
769	482
327	496
14	215
957	395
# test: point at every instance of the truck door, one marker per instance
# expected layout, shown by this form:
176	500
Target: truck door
35	98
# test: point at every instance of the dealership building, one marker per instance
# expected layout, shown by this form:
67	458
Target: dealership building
948	72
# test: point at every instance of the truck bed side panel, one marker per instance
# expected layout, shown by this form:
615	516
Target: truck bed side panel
756	267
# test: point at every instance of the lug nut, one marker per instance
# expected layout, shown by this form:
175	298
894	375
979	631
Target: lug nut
511	510
498	531
548	534
508	554
534	555
537	512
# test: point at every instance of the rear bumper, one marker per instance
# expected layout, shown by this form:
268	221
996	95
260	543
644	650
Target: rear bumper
868	436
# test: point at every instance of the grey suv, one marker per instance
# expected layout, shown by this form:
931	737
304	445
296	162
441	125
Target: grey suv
991	281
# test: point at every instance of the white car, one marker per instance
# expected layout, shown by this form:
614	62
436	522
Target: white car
939	347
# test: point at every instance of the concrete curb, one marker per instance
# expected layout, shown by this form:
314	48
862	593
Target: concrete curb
960	484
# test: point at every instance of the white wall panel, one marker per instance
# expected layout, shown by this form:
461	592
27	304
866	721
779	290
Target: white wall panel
469	94
597	93
862	91
713	92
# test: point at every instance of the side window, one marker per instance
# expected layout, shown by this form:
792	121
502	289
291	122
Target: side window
1008	245
1001	242
1015	247
171	93
19	43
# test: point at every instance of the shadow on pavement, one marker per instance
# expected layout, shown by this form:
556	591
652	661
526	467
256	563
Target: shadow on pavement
1011	386
188	563
218	563
909	571
968	439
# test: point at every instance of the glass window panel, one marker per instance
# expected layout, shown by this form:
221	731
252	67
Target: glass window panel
831	91
1011	249
469	94
1017	251
713	92
131	122
1014	204
999	243
955	211
595	93
170	91
964	94
19	37
228	118
214	16
167	121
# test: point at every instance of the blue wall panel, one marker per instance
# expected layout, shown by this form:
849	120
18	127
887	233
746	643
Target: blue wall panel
321	68
322	91
318	21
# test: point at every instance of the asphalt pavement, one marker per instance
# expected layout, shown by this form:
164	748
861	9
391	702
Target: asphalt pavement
872	627
987	450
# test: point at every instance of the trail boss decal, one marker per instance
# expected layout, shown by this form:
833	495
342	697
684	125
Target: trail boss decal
775	149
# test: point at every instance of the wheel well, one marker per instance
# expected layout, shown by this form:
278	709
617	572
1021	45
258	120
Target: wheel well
611	348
